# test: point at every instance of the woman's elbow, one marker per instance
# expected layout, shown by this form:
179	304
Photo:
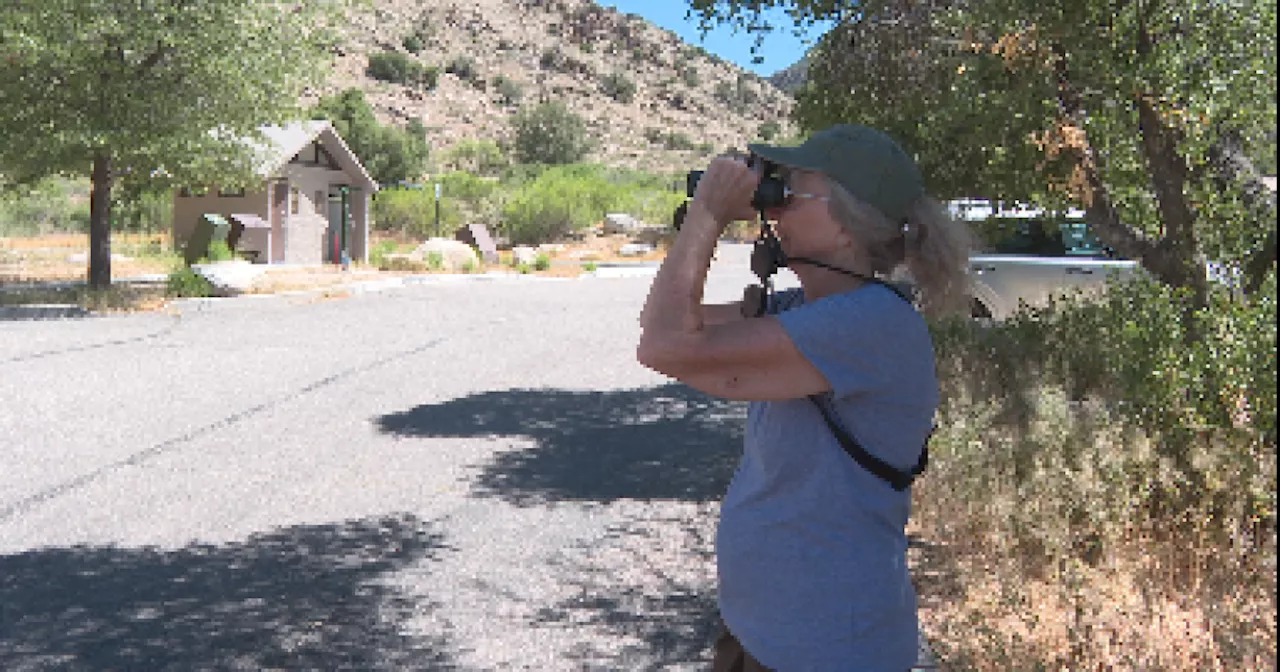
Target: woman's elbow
658	355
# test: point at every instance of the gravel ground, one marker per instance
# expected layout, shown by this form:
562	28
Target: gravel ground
443	476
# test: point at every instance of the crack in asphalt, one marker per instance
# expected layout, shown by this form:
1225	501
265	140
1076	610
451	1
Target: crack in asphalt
53	492
174	324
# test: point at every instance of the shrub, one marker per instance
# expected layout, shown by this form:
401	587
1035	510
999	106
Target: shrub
550	58
412	43
561	200
53	204
549	133
412	212
1124	441
397	68
618	87
378	255
509	92
219	251
483	157
678	141
435	261
185	283
689	74
389	153
463	67
769	131
541	262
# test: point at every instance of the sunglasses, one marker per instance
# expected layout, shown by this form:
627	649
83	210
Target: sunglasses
789	196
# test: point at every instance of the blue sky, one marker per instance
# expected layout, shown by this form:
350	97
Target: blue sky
780	48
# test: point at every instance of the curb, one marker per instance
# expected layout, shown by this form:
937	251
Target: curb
73	311
44	311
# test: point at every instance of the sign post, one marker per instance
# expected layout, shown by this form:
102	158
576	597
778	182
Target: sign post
437	209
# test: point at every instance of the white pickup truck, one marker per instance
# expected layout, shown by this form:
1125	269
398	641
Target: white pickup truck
1029	255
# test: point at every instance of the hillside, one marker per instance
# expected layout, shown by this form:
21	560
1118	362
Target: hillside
791	78
497	55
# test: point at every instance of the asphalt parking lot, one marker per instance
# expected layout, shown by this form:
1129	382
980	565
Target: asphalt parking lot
443	476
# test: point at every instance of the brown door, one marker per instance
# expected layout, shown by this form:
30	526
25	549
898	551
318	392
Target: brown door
279	219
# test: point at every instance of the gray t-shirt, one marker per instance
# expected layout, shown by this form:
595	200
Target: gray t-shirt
811	548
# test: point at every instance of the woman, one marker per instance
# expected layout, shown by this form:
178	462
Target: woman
811	546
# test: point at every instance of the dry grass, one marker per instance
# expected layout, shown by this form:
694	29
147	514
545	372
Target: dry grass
1014	579
64	257
29	266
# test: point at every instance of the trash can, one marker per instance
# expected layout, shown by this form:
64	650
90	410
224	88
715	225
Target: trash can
211	227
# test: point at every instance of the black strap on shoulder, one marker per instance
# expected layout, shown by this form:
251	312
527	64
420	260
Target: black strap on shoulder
898	480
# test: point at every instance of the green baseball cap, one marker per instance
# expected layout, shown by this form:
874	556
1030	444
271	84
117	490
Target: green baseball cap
863	160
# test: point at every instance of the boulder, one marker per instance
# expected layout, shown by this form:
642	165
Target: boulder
634	250
455	255
621	223
524	255
230	277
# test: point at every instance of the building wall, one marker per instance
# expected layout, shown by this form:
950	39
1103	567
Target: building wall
188	209
309	217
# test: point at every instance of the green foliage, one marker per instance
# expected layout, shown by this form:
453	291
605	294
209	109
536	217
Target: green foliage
738	94
411	211
679	141
378	255
397	68
413	43
541	262
66	104
563	199
618	87
769	131
464	68
218	251
435	260
550	133
509	92
689	75
1053	103
390	154
483	157
142	209
556	60
53	204
1208	404
184	282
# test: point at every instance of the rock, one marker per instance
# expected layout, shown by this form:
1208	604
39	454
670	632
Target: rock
455	255
524	255
635	250
621	223
230	277
651	235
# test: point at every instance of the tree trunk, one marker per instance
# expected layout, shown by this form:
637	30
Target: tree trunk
1232	168
100	223
1178	261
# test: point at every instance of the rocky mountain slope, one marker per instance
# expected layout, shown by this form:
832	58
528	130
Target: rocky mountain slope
791	78
650	100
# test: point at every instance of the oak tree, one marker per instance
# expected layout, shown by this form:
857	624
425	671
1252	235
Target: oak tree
151	90
1152	116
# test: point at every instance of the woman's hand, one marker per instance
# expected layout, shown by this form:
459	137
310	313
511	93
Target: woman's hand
725	191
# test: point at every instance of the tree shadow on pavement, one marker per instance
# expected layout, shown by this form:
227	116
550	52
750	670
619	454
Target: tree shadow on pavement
647	586
669	442
307	597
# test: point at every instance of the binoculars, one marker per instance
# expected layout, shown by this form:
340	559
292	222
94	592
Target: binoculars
770	193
